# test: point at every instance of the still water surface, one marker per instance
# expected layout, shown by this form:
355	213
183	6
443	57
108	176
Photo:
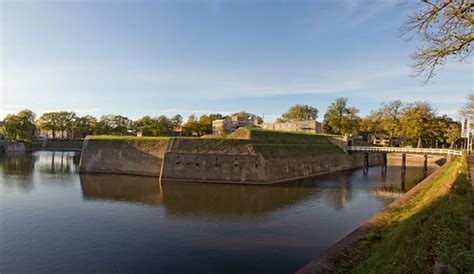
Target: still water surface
53	220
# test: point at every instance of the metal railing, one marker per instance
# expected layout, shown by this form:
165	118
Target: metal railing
442	151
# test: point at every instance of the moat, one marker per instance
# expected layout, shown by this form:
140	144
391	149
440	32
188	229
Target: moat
54	220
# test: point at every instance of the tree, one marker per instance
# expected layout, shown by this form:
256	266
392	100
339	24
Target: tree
20	127
341	119
177	120
164	126
445	28
438	130
114	124
216	116
205	125
49	121
300	113
198	127
391	113
468	109
452	134
83	126
373	123
416	120
65	121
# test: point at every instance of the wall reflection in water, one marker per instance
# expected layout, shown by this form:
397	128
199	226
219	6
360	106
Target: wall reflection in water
213	200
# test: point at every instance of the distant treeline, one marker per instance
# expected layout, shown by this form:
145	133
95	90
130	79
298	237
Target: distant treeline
416	124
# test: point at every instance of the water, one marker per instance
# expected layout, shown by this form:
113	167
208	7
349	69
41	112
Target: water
54	220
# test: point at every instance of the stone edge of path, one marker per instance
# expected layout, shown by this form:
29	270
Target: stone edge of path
323	262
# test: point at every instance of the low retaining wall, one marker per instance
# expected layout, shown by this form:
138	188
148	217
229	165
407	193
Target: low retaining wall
210	160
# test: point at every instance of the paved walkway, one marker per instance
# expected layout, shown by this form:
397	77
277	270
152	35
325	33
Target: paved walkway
471	178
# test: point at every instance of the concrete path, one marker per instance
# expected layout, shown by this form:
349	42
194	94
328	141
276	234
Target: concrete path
471	178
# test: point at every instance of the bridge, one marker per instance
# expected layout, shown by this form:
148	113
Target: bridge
403	151
407	150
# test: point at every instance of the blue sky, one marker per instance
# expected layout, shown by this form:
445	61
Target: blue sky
192	57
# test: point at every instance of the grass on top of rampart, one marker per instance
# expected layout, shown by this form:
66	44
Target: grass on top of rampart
280	137
431	226
131	138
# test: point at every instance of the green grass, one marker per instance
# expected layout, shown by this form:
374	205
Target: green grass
431	226
113	137
283	137
289	150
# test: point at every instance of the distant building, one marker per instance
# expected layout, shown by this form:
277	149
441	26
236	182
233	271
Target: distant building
381	140
222	126
306	126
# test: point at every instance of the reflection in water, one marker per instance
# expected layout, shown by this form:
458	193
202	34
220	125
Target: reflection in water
134	189
23	166
19	165
189	199
63	162
66	222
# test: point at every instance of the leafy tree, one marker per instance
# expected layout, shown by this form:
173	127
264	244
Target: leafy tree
216	116
164	126
417	120
446	29
83	126
177	120
20	127
65	121
341	119
372	123
114	124
391	114
198	127
300	113
438	130
49	121
452	134
205	125
145	125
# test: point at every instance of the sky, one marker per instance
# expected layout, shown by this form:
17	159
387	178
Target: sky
138	58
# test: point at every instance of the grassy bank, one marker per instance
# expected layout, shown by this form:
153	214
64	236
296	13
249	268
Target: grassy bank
131	138
431	226
63	144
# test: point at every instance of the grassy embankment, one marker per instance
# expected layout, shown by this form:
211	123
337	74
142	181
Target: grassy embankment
266	141
432	226
113	137
276	143
64	144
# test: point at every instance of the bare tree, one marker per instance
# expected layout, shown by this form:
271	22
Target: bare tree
468	109
446	29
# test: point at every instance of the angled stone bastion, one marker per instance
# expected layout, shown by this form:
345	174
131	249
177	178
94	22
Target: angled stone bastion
246	156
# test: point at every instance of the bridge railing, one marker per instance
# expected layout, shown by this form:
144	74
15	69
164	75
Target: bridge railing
442	151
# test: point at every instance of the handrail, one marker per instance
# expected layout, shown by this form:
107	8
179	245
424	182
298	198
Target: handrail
443	151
